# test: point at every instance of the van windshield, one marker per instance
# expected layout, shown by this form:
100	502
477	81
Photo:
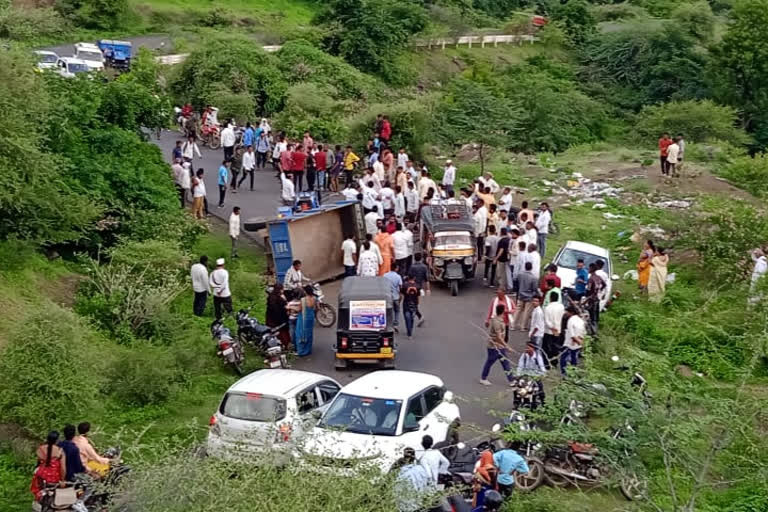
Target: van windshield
374	416
253	407
85	55
453	241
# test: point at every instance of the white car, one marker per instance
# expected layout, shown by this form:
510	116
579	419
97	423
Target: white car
46	60
90	54
267	409
374	418
68	67
571	253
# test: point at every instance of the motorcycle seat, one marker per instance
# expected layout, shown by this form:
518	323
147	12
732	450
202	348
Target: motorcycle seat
585	448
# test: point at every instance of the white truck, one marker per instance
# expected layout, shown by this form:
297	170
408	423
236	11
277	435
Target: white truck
91	55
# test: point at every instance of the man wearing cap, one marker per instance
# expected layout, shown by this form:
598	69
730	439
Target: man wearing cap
449	176
219	281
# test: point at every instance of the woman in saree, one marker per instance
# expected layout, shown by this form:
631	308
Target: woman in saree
658	279
644	264
484	478
305	323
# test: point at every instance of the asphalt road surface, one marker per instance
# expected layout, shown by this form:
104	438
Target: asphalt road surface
450	344
156	42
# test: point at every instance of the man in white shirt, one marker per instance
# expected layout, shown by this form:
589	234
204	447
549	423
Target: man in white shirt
387	196
426	183
199	275
402	158
249	164
480	219
574	339
489	182
234	229
542	226
294	278
350	192
222	297
349	248
199	206
179	175
190	149
228	140
531	362
760	269
288	192
538	326
449	175
411	201
370	196
399	203
371	221
535	258
378	171
413	174
505	201
673	152
280	146
402	240
553	318
602	274
433	461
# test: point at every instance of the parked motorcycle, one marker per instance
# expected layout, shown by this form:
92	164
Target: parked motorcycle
582	307
527	393
261	337
325	313
227	347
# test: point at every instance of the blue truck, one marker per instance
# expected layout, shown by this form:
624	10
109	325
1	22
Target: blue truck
117	54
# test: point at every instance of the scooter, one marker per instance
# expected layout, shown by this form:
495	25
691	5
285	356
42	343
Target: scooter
227	347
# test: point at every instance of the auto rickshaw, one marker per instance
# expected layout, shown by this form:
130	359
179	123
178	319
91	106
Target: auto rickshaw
364	330
448	242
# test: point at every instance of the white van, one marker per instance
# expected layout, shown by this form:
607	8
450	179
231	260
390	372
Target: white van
91	55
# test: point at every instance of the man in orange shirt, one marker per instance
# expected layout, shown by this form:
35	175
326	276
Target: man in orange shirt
387	249
664	143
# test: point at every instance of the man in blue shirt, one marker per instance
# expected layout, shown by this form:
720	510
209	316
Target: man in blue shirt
582	276
396	282
510	463
223	180
248	135
73	461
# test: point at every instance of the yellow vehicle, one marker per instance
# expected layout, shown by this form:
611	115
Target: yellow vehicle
448	243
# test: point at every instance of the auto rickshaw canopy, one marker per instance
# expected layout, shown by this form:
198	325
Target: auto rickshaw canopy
447	217
364	288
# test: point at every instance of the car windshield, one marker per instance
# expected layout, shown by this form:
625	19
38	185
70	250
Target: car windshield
77	68
375	416
89	55
569	257
453	241
46	58
253	407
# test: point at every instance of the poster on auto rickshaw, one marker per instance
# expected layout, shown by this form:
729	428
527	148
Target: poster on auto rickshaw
367	315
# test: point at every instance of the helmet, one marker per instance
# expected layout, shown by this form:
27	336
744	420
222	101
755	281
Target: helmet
493	501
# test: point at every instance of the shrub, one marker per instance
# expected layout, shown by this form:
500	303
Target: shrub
51	371
622	11
24	24
95	14
218	17
144	375
308	108
167	225
697	120
695	19
576	19
240	106
749	173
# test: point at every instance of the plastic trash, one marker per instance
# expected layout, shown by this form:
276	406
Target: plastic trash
671	277
599	206
630	274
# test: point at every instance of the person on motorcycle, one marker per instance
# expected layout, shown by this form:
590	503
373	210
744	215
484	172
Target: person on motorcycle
294	278
94	462
210	119
51	465
493	502
72	461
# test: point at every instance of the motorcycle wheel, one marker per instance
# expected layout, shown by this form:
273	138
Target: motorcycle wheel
454	288
325	315
534	478
556	480
633	487
214	142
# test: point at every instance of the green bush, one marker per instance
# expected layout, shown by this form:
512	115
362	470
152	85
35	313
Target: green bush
240	106
698	121
95	14
24	24
308	108
163	258
143	375
695	19
576	19
749	173
172	225
622	11
218	17
51	370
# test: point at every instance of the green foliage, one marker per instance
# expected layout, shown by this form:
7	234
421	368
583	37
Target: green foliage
51	370
697	120
95	14
218	17
301	62
575	17
695	19
643	65
749	173
371	34
36	201
622	11
309	108
741	64
23	24
145	374
234	66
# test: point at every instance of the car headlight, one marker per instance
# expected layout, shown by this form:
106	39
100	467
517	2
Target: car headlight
438	262
468	260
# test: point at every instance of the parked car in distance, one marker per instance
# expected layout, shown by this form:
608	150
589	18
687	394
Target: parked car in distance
90	54
374	418
266	409
68	67
571	253
46	60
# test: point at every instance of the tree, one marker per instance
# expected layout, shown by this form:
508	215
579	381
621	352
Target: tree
741	64
95	14
472	113
576	19
698	120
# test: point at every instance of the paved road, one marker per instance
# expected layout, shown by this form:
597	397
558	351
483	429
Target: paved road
156	42
451	343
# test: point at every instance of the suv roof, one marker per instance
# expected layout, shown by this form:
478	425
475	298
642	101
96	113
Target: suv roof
278	382
86	45
394	384
588	248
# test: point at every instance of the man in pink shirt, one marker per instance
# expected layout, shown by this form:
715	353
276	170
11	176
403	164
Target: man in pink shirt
509	310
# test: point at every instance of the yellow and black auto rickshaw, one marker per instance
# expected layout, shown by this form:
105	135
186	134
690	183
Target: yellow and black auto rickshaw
364	328
448	242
